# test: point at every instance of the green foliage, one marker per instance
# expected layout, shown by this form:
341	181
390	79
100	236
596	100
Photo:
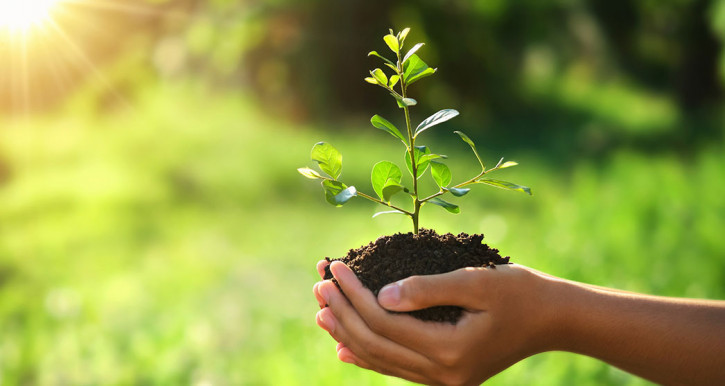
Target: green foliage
386	177
328	158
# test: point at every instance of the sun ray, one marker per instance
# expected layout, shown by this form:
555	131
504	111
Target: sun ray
41	39
78	52
118	6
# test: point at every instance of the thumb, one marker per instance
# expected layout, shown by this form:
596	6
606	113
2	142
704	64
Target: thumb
463	287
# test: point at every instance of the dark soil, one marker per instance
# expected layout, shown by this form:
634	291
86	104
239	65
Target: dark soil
392	258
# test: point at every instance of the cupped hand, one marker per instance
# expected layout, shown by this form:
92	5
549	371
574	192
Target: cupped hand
506	319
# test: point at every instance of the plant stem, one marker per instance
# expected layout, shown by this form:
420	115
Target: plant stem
413	163
363	195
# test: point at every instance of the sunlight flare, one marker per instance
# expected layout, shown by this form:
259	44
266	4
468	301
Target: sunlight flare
21	15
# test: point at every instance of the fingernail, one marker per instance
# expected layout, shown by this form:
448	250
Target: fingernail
389	295
336	268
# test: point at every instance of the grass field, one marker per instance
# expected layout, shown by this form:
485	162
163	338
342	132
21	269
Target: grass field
175	244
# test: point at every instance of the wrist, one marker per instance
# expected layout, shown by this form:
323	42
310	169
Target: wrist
553	314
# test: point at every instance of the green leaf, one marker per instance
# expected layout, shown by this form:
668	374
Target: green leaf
393	80
409	102
506	185
371	80
390	190
467	140
412	51
430	157
453	208
375	53
403	34
310	173
329	159
388	212
404	102
379	75
392	66
459	192
392	43
422	164
337	193
423	74
383	124
386	174
508	164
435	119
441	173
414	66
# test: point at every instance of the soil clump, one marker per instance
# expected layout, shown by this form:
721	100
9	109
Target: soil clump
392	258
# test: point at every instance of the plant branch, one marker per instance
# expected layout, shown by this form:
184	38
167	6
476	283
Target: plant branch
381	202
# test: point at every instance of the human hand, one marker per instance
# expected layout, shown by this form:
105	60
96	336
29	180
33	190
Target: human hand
506	319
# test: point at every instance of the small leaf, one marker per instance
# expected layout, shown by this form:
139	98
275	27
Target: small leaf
379	75
390	190
441	174
392	66
404	102
383	124
409	102
384	174
453	208
371	80
329	159
422	164
337	193
393	80
435	119
403	34
430	157
508	164
506	185
414	66
459	192
423	74
310	173
392	43
412	51
467	140
375	53
388	212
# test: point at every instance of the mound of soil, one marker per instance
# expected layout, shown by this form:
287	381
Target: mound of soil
392	258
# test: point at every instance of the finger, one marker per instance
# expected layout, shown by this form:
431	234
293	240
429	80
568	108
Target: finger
465	288
377	352
415	334
346	355
321	267
316	292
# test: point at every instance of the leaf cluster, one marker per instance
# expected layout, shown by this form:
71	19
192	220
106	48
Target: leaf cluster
386	177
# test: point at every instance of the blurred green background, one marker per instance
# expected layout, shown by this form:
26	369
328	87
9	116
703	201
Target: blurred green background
154	230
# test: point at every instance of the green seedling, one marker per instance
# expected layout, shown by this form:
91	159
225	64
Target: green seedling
387	177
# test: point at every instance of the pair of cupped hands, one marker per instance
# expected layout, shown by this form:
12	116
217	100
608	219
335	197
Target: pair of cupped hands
503	322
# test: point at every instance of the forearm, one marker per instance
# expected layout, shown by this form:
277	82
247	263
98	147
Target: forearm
666	340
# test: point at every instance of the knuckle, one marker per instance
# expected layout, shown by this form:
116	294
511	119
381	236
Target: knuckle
412	286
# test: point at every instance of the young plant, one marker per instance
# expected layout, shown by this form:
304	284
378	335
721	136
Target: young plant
386	176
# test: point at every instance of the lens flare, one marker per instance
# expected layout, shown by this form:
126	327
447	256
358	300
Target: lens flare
22	15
